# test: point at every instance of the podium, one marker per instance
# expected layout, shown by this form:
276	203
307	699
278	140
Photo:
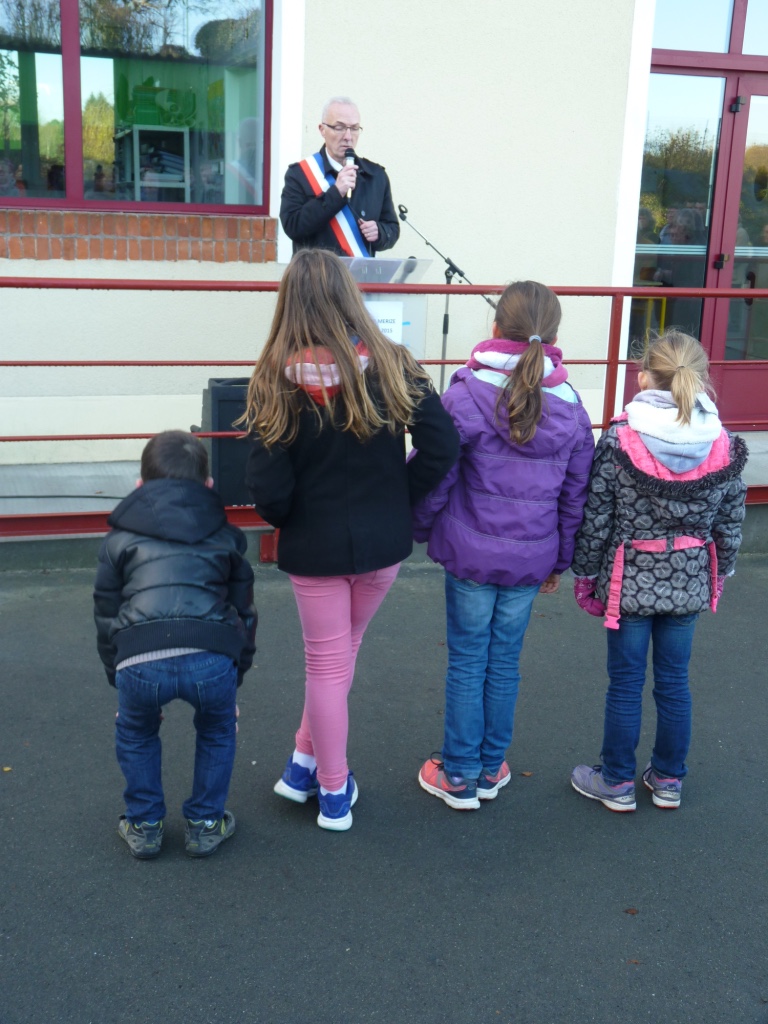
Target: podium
402	318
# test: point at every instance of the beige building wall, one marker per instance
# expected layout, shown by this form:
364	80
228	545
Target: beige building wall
513	134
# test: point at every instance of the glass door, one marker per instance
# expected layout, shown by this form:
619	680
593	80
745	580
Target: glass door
703	222
677	223
738	328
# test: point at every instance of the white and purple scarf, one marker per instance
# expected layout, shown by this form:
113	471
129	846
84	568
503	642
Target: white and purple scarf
494	360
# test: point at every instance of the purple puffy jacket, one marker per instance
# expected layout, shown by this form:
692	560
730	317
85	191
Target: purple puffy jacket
508	513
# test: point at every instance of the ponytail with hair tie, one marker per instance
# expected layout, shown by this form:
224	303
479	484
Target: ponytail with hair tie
661	362
526	310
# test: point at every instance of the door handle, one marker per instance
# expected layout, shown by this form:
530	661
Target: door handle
721	260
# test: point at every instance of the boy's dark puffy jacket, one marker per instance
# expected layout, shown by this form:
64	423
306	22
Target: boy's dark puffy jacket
172	573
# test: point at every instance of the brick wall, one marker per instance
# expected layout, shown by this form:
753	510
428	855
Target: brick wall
44	235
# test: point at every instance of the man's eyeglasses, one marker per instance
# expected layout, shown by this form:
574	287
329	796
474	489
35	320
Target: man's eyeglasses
339	129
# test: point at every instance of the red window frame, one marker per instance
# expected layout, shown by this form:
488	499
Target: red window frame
73	137
737	383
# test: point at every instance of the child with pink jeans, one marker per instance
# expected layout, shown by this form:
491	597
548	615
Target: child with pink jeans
334	612
328	404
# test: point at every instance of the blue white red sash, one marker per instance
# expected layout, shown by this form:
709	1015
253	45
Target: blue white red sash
343	225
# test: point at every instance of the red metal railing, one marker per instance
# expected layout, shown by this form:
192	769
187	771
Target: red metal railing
79	523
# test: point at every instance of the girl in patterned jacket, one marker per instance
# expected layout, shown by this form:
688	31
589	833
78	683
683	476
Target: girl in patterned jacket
502	523
661	530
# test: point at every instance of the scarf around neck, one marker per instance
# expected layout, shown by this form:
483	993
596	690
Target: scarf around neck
494	360
317	373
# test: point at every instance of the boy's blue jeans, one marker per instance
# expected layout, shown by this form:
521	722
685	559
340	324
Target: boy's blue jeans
209	683
672	637
486	627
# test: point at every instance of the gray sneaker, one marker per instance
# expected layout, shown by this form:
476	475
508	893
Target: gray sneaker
590	783
666	792
202	838
144	840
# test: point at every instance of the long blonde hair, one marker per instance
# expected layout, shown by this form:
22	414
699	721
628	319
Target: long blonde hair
319	304
526	309
677	363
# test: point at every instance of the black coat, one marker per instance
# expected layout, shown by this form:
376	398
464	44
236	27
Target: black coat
343	506
306	217
172	573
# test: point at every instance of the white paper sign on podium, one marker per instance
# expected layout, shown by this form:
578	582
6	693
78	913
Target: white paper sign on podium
402	318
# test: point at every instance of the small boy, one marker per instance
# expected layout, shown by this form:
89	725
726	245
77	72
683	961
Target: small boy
175	618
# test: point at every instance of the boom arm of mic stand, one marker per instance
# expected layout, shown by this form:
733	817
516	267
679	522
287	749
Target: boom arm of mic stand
452	270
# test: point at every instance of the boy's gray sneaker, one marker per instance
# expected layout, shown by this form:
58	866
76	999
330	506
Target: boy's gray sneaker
144	840
590	783
666	792
202	838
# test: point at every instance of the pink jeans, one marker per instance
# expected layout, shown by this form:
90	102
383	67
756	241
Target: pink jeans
334	612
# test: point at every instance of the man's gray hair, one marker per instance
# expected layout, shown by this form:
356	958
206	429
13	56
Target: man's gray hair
337	99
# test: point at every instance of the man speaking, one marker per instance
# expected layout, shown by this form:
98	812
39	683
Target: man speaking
335	199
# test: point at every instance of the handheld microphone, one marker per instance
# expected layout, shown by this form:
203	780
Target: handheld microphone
349	159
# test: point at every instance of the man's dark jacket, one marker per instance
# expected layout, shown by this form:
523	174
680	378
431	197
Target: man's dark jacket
306	217
344	505
172	573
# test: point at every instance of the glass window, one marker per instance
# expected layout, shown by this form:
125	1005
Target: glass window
693	25
747	336
173	101
679	158
31	100
756	28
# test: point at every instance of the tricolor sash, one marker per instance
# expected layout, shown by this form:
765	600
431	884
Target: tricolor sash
343	225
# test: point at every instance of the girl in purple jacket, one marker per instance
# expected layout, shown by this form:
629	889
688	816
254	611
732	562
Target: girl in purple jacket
502	523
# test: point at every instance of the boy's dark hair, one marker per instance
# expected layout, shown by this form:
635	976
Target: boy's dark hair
175	455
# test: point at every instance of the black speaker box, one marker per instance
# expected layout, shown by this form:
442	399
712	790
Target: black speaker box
223	403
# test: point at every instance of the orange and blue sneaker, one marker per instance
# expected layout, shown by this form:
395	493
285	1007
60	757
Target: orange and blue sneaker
619	796
489	783
454	790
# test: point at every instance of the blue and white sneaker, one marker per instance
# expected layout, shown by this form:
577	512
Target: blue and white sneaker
297	783
590	783
336	808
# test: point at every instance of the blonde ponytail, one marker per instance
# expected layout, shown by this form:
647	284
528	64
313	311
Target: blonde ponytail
677	363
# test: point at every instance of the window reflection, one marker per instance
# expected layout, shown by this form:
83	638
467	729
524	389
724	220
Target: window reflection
173	101
675	201
31	100
747	336
693	25
756	28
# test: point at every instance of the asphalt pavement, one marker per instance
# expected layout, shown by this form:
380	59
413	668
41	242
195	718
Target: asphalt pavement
540	908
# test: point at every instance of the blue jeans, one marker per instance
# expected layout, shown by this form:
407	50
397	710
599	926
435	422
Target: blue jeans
627	657
486	627
209	683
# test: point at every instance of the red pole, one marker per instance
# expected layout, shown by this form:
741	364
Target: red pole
612	370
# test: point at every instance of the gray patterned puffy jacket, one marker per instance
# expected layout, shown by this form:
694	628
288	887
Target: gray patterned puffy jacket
655	540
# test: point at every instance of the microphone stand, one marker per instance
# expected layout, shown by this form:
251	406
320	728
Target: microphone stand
451	271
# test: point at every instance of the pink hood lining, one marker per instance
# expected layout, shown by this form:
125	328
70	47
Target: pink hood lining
631	443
